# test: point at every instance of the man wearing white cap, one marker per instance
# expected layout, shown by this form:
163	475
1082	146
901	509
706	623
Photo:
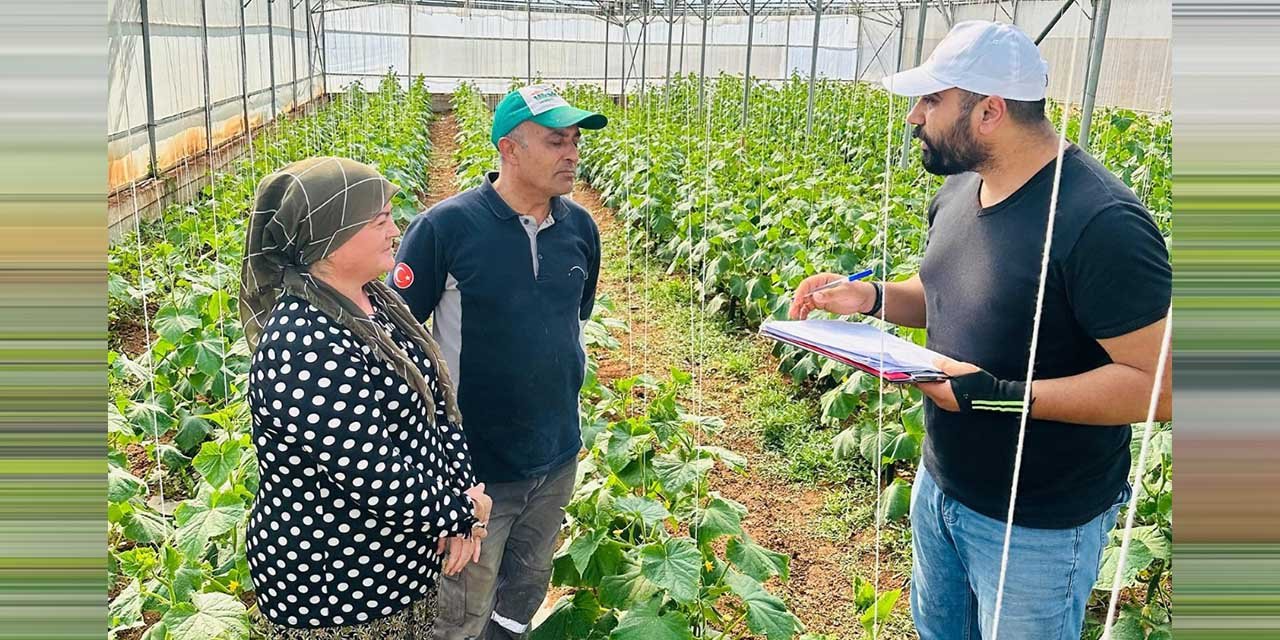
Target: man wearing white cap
981	122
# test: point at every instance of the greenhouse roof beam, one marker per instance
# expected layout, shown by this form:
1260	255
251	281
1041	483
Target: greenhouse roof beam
620	9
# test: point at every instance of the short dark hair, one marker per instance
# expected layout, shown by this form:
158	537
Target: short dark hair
1020	111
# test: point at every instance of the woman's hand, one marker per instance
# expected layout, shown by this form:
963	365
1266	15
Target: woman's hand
460	551
845	299
483	503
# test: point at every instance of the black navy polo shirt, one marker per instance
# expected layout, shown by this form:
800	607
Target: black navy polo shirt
507	299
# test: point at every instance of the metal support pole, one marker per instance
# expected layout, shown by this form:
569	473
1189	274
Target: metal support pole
746	73
813	67
324	55
622	62
154	168
644	49
671	27
946	16
607	24
857	52
702	64
271	55
311	57
786	51
244	73
902	37
293	53
684	28
409	42
906	128
1101	11
1052	21
204	61
528	41
1015	13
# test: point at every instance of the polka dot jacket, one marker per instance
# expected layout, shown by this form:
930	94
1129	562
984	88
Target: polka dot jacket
356	485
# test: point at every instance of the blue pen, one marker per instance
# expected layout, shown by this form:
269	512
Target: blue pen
835	283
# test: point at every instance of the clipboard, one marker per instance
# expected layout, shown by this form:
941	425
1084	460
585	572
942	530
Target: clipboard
861	346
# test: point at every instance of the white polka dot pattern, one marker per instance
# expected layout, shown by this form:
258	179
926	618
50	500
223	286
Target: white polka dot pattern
356	486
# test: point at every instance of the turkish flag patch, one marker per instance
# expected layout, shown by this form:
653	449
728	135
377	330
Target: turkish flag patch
402	275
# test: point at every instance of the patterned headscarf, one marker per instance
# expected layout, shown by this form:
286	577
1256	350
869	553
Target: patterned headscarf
304	212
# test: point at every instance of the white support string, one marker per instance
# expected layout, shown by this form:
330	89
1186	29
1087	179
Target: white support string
1117	582
884	305
1035	341
142	288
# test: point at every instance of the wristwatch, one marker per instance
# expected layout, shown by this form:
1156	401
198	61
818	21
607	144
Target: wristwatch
875	306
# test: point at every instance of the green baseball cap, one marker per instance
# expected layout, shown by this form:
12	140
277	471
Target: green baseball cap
541	104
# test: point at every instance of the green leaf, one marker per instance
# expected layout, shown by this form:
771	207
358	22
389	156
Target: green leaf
1138	558
606	561
864	593
116	422
122	485
172	323
143	525
149	418
198	521
648	510
722	517
900	445
621	448
766	614
1128	626
1154	539
209	616
125	610
192	430
676	474
626	587
673	565
913	420
171	457
838	405
216	461
583	547
846	444
137	562
209	355
731	459
879	613
646	623
895	501
755	560
572	617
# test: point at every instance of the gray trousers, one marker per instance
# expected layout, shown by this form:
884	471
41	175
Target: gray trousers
497	597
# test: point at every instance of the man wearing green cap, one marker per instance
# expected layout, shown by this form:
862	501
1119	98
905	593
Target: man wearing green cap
507	271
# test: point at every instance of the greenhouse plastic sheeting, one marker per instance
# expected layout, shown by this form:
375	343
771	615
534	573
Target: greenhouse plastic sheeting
178	81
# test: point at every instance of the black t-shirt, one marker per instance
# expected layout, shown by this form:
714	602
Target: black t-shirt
1108	275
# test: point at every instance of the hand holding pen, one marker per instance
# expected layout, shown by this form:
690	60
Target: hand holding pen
827	291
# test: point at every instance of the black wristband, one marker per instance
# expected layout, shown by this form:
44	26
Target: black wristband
875	306
981	391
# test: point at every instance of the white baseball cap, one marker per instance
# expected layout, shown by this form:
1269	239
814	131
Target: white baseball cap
989	58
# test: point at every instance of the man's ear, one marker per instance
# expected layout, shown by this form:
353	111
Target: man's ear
506	150
992	113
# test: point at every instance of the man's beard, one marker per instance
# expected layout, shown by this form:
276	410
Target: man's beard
956	151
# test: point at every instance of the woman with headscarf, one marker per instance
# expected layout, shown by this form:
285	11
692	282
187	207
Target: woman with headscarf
365	474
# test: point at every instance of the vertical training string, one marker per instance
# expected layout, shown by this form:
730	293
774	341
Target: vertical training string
1141	470
1035	342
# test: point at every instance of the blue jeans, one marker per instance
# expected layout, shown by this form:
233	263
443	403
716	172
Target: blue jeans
956	571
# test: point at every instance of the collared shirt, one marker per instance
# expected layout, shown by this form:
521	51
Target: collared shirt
506	298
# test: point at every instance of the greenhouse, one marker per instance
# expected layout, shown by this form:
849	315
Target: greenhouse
724	482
